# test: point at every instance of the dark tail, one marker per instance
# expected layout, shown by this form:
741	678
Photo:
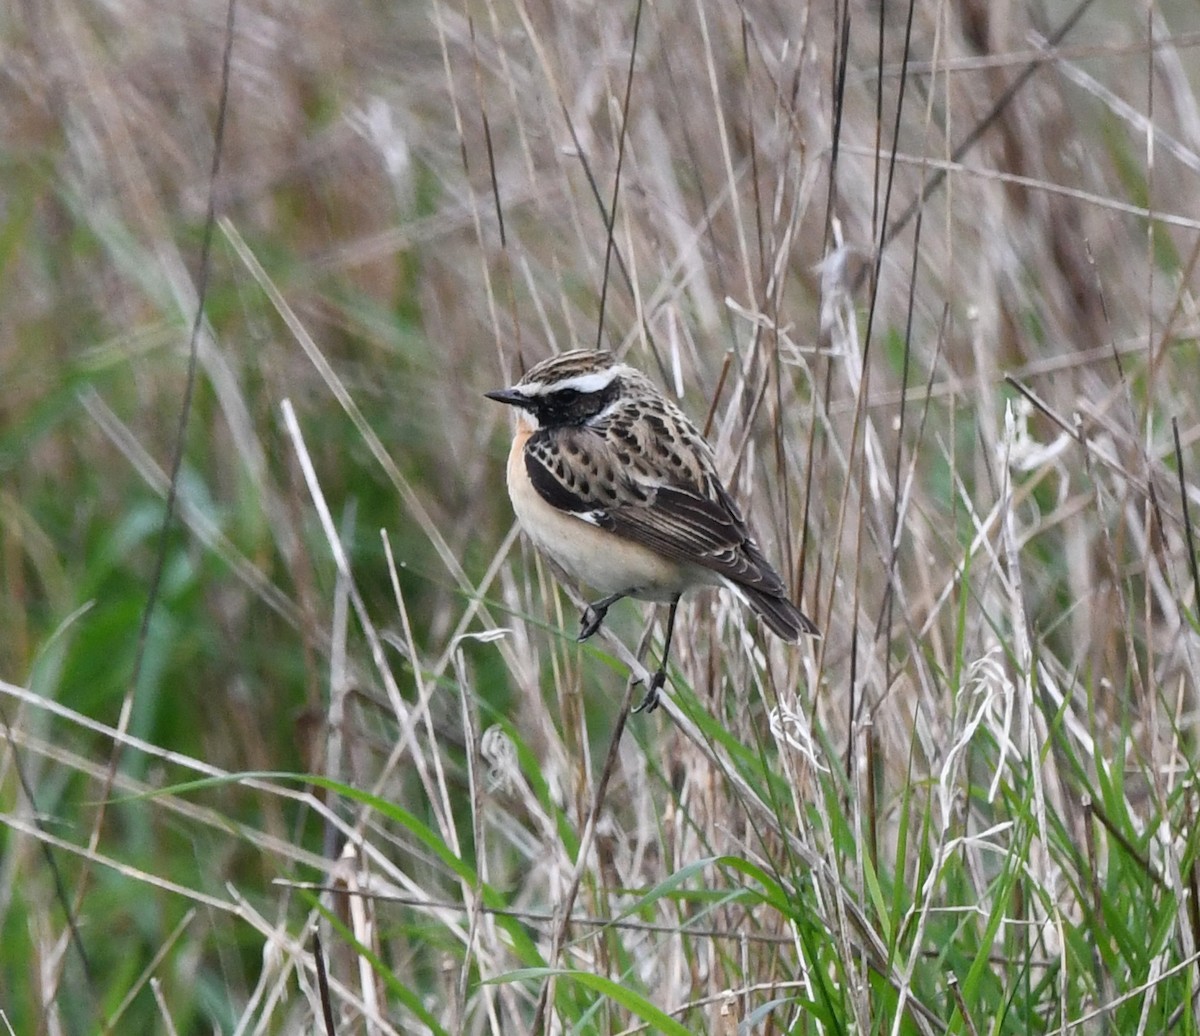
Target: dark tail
784	618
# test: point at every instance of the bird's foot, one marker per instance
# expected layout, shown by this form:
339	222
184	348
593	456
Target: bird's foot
650	702
592	619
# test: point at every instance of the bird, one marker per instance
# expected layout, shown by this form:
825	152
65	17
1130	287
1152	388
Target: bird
611	481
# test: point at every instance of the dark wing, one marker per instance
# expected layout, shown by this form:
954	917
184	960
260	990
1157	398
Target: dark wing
688	527
576	470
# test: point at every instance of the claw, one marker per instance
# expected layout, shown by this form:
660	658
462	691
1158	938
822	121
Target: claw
593	615
591	620
650	702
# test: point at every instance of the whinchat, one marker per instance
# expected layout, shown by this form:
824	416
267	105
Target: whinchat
610	480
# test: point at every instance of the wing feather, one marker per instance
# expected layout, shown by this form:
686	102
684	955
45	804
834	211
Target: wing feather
576	470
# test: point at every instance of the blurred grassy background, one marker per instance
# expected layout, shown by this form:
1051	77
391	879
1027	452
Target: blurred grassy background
970	807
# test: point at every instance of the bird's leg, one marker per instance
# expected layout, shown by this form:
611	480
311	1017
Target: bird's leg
593	615
650	702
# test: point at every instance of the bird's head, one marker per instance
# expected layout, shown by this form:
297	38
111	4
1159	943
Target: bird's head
571	388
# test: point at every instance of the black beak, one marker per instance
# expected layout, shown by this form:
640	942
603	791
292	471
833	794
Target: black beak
510	396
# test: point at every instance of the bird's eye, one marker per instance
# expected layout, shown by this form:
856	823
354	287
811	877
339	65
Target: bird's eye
567	395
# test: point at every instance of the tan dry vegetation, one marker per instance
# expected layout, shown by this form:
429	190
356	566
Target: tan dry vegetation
998	721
